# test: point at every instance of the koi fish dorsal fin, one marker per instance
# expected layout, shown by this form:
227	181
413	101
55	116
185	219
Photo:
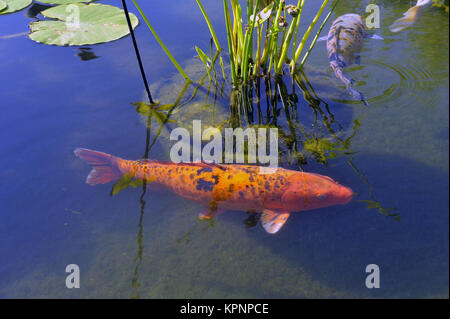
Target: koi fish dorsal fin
104	166
197	164
273	221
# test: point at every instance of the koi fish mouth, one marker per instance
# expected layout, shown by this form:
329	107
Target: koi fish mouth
345	195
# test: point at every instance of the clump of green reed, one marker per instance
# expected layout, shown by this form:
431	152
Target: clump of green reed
274	26
260	39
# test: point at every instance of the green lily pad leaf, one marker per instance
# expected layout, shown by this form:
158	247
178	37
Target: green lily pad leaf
64	1
3	5
13	5
81	24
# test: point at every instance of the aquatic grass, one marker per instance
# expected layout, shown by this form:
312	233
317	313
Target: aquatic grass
248	43
230	41
306	35
317	35
245	28
281	22
205	59
208	22
161	43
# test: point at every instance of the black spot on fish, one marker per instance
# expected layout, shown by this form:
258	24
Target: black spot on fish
204	170
204	185
216	179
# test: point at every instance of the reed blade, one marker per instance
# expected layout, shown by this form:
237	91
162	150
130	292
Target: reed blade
161	43
307	33
211	29
317	35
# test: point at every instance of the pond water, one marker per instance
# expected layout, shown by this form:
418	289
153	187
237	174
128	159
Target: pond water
150	244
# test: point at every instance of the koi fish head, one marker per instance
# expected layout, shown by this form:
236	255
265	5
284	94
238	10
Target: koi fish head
310	191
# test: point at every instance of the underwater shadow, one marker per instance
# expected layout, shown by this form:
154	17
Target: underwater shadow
334	245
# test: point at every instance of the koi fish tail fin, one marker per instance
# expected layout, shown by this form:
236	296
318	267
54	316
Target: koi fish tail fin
356	95
348	83
409	17
104	169
338	71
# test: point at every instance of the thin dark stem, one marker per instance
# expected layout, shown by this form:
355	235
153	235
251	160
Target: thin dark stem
138	56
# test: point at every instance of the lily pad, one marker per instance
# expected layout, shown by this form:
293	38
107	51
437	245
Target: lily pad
97	23
64	1
13	5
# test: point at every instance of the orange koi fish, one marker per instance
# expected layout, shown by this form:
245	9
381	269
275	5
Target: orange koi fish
344	43
226	187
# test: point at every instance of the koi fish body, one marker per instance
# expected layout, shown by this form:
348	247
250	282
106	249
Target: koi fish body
344	42
226	187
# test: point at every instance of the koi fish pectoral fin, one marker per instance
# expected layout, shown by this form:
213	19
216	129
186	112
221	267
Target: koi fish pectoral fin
322	38
373	37
273	221
208	213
